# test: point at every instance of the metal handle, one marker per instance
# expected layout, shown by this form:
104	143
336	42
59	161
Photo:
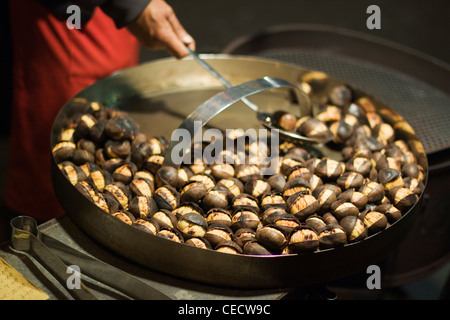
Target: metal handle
25	240
215	105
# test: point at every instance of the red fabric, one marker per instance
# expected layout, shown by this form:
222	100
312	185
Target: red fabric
51	64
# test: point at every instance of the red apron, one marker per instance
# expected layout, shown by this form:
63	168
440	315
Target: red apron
51	64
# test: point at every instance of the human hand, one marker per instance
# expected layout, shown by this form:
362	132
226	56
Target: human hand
157	27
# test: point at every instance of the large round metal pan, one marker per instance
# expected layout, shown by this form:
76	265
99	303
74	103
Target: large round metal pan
159	95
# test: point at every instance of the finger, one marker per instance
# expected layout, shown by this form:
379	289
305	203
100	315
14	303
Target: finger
182	34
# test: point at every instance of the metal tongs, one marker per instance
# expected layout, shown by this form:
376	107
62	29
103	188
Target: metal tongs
53	256
266	118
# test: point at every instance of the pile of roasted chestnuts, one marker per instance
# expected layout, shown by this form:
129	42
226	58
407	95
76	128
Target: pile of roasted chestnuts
311	203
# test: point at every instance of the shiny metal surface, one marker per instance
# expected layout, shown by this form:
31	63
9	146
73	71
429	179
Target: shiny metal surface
25	239
221	101
160	102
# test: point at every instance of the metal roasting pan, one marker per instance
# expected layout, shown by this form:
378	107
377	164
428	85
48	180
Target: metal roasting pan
160	95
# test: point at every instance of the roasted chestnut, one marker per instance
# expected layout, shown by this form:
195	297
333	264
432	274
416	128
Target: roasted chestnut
252	247
125	172
147	225
244	218
170	234
218	216
218	233
375	221
247	172
303	239
222	170
143	206
332	236
215	197
245	200
373	191
233	185
63	150
165	218
302	205
117	149
355	197
72	172
342	208
360	165
201	243
350	180
244	235
193	191
316	223
402	198
257	187
192	224
272	237
354	227
228	247
272	199
167	197
124	216
187	207
121	128
390	211
207	179
328	169
142	187
390	178
294	186
120	192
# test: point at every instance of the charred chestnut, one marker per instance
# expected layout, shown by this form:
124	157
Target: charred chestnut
303	239
124	216
120	192
147	225
72	172
302	205
117	149
218	216
192	225
170	234
332	236
244	218
121	128
167	197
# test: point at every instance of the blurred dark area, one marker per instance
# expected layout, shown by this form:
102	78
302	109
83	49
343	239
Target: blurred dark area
419	26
